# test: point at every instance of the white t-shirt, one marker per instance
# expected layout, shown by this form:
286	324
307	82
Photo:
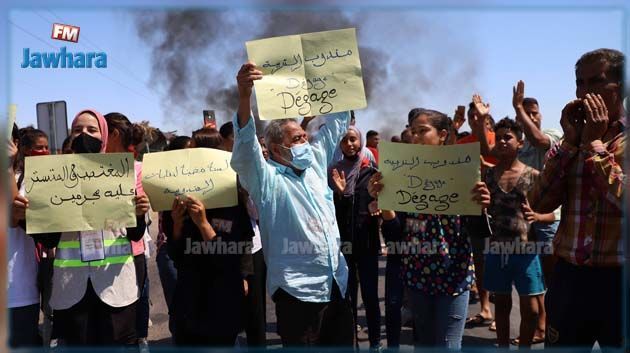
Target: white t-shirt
22	268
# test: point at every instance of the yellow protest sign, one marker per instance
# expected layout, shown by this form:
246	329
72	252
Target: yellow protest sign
201	172
308	74
76	192
429	179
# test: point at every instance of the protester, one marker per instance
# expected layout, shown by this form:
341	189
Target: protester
210	284
165	265
536	144
94	302
358	228
508	182
372	139
23	293
227	134
123	136
585	175
296	208
477	227
438	281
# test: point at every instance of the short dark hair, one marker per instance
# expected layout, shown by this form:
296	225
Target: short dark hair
614	58
207	137
530	101
227	129
512	125
370	134
178	143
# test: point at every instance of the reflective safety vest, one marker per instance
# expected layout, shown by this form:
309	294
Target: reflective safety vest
113	278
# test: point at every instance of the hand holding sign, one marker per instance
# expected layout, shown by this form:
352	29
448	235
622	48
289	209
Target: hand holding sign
246	77
309	74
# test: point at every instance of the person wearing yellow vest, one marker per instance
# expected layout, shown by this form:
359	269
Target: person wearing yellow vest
94	301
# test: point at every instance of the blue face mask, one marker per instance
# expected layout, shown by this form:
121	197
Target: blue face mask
301	156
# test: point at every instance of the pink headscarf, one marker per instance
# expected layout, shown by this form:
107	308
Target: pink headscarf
102	125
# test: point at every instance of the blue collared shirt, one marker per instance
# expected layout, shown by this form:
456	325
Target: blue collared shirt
298	227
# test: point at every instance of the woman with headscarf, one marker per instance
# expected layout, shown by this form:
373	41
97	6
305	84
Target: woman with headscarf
358	228
94	301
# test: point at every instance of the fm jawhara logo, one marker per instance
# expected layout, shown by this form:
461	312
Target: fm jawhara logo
63	59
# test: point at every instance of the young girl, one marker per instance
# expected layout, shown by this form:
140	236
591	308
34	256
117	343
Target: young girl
349	179
210	286
23	293
438	282
123	136
508	182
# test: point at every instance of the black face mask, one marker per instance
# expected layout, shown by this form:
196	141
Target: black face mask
85	143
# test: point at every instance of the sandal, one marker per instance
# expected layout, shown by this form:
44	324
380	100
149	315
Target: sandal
535	340
478	320
493	326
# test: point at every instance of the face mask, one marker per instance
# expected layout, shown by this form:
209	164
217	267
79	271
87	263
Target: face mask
85	143
39	153
301	156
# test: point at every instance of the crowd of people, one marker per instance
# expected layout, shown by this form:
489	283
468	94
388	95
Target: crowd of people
302	199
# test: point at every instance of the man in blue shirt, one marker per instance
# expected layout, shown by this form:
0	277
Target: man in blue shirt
307	273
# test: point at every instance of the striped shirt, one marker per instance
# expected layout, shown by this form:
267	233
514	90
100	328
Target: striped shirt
589	185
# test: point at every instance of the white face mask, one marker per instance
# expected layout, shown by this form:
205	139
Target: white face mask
301	156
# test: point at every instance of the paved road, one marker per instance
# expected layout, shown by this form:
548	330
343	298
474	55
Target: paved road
159	334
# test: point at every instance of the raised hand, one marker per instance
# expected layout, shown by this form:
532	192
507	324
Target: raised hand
518	95
572	121
482	108
339	180
596	118
459	118
178	211
246	77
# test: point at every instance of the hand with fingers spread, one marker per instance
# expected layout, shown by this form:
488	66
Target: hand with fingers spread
246	77
572	122
339	180
596	115
518	95
482	108
481	194
142	204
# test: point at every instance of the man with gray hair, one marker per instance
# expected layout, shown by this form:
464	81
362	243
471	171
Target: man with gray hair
307	273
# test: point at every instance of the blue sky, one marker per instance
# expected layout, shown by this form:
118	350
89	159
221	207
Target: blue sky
455	52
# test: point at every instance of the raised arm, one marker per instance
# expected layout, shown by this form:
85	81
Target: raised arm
247	157
478	125
245	80
534	135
